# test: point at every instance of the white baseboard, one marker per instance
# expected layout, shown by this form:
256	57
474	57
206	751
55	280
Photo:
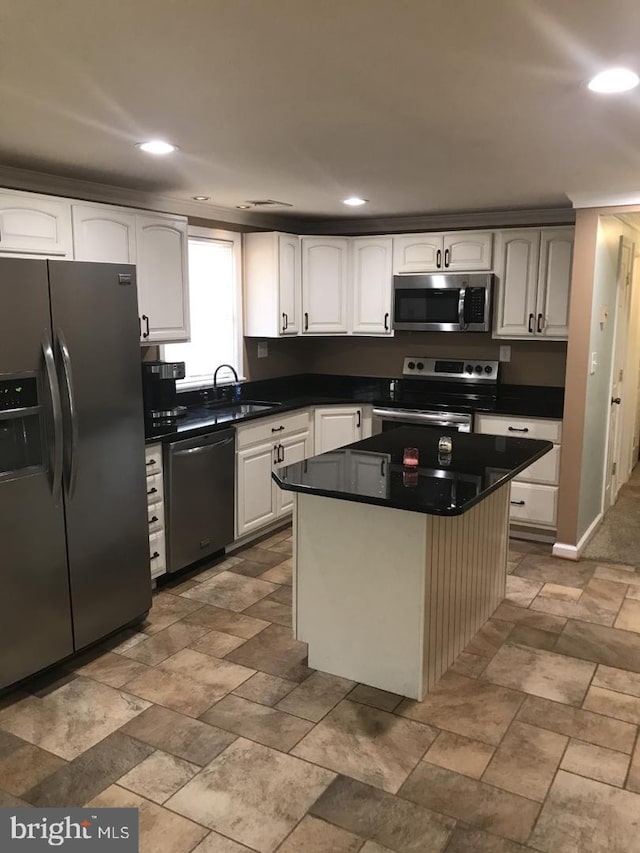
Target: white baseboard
573	552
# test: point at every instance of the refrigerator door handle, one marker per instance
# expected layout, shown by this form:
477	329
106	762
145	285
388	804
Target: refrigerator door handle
50	366
72	467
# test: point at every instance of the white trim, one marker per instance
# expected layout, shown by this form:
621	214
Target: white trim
573	552
602	199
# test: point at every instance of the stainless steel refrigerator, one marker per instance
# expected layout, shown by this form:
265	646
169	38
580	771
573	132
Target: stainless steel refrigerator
74	547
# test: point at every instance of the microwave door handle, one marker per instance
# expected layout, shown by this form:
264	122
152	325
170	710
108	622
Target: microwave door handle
461	301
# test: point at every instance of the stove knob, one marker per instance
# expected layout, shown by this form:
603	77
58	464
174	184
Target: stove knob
411	365
478	368
420	365
468	369
488	369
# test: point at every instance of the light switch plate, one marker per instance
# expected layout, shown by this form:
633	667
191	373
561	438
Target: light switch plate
505	352
263	349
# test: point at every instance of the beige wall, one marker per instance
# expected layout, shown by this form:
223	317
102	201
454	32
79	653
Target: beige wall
286	356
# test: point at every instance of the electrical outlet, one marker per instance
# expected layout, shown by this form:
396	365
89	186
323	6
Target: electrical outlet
263	349
505	353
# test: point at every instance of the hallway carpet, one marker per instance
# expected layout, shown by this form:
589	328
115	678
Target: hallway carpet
618	537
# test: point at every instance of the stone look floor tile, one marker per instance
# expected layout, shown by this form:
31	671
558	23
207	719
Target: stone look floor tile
562	593
583	725
383	818
227	621
372	847
221	566
539	672
175	691
633	779
521	591
599	603
364	743
611	704
633	592
617	679
216	643
526	761
283	595
252	794
124	640
475	709
112	669
265	689
618	574
9	801
271	611
158	776
9	743
167	609
553	570
165	643
381	699
25	767
600	644
275	652
489	638
260	554
265	725
216	843
161	831
182	736
584	816
466	840
221	675
596	762
282	573
629	616
469	757
474	802
316	696
230	591
525	635
73	718
521	616
470	665
89	773
312	835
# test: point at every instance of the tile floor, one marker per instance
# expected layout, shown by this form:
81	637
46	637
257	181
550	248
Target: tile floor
208	720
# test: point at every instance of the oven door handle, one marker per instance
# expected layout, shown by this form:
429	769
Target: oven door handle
422	417
461	300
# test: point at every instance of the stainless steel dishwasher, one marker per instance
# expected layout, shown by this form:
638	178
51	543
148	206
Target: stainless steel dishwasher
200	490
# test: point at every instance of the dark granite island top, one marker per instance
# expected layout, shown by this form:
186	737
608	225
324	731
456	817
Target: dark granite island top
371	471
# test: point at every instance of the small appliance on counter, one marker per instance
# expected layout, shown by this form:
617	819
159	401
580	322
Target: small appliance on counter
159	391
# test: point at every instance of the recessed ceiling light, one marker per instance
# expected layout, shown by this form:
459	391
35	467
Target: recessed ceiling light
201	197
354	201
243	206
156	146
614	80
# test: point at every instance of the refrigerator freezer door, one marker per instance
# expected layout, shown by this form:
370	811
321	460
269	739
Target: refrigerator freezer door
35	614
94	311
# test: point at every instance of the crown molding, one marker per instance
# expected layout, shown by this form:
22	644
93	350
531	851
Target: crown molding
600	199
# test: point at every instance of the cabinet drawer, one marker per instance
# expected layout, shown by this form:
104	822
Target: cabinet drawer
158	557
545	470
155	492
272	428
156	518
153	459
533	504
517	427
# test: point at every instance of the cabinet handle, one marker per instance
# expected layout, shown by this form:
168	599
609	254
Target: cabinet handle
155	555
281	453
439	258
152	491
386	322
145	334
151	462
539	322
285	322
139	327
446	257
517	503
530	324
276	454
277	429
359	418
153	519
518	429
306	321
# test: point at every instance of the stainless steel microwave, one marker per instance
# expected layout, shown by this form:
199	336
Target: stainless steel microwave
452	302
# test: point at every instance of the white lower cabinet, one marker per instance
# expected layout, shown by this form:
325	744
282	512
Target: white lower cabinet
155	510
336	426
534	493
262	447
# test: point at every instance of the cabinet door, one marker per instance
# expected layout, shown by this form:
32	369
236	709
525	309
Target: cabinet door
289	284
467	250
254	488
554	282
417	253
370	475
293	448
163	289
372	285
35	225
336	426
100	234
517	254
325	270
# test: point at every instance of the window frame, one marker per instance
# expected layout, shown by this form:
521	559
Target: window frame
235	238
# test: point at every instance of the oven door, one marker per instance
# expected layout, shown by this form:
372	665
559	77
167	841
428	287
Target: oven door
386	419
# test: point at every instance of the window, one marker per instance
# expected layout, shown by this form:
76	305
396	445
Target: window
215	303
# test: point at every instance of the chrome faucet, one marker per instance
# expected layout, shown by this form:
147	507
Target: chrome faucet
215	377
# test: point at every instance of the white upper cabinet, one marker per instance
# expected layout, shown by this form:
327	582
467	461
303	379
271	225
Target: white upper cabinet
272	288
372	276
533	273
325	285
456	251
35	225
104	233
163	288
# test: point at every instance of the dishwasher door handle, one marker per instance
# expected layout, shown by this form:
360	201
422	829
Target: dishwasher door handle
205	448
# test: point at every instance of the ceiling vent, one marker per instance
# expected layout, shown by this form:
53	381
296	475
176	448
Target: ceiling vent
267	202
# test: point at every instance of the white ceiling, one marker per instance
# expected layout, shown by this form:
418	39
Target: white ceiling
421	106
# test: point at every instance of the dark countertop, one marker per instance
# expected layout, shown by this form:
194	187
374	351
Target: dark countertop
302	390
371	471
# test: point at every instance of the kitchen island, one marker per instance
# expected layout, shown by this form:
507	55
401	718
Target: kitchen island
396	568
